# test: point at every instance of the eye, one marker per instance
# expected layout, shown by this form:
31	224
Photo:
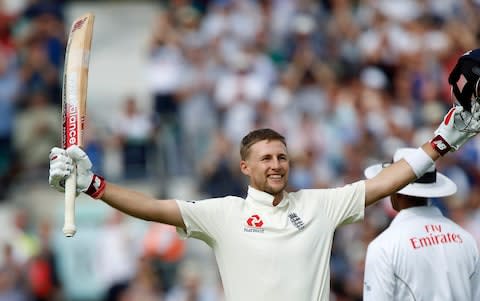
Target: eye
266	158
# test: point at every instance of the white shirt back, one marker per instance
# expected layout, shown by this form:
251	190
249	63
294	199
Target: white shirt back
422	255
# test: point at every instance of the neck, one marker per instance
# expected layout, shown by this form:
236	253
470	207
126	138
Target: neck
277	199
413	202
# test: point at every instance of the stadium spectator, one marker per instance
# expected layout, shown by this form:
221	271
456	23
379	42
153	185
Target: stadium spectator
115	269
192	287
134	131
39	124
145	284
9	91
12	277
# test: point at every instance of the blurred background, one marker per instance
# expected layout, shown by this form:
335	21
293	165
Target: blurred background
173	87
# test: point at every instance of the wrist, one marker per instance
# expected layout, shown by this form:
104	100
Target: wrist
419	161
97	187
440	145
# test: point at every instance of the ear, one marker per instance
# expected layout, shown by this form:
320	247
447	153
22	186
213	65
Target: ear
244	167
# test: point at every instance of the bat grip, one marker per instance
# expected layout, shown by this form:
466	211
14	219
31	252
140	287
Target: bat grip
69	228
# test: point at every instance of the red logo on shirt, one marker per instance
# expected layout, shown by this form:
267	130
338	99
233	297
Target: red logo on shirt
434	236
255	221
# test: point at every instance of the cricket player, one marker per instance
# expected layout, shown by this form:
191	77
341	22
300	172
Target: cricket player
422	255
273	244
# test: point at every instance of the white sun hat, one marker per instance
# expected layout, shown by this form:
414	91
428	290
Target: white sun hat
431	185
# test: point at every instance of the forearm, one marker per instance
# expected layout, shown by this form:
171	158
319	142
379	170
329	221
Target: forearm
142	206
131	202
394	177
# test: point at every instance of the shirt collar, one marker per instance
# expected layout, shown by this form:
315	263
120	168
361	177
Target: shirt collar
266	199
416	211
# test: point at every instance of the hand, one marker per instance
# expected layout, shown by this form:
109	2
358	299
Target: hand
457	127
84	167
61	166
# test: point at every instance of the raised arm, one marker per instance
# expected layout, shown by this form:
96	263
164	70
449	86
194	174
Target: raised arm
142	206
126	200
457	127
394	177
461	123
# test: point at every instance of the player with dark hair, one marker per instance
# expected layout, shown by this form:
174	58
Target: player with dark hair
274	244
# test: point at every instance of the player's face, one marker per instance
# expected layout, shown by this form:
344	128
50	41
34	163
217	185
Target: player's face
267	165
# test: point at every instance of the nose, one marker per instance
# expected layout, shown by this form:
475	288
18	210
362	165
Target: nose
275	163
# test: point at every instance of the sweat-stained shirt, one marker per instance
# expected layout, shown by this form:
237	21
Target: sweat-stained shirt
267	252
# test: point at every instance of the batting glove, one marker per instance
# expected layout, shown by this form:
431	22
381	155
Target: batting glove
61	166
457	127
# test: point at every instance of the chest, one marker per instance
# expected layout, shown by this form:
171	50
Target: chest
281	234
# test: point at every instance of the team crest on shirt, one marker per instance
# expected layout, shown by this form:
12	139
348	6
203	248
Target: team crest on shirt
296	221
254	224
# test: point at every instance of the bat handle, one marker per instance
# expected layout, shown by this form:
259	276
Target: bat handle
69	228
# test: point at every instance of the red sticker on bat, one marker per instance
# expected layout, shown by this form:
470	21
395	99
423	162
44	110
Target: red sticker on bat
78	24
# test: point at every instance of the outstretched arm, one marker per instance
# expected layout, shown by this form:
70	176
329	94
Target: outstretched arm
457	127
126	200
393	178
143	206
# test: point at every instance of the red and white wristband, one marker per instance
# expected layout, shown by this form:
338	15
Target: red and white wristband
419	161
440	145
97	187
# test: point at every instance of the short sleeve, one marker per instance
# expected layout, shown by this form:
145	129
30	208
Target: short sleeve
203	219
343	205
353	200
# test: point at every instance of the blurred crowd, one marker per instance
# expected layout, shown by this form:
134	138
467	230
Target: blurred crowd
346	81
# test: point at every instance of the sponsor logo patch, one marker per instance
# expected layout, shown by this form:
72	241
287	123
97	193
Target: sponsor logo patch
254	224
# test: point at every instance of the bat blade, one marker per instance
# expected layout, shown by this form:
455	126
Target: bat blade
74	100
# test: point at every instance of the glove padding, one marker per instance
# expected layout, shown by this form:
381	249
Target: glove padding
61	167
62	164
458	126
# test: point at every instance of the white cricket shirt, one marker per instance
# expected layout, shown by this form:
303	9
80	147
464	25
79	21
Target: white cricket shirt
279	253
422	255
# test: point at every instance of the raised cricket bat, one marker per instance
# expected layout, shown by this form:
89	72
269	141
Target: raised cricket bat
74	99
